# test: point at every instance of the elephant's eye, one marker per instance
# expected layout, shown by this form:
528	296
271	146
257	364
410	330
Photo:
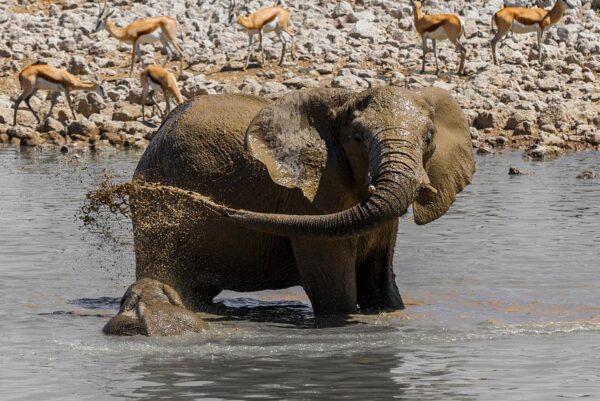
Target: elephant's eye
358	138
429	136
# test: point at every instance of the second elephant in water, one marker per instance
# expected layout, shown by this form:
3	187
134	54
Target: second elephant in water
152	308
307	191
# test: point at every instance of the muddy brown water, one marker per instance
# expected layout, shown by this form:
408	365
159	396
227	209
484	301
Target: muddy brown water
504	293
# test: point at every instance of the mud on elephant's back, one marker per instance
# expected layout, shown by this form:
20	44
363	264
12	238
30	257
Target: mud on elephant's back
205	131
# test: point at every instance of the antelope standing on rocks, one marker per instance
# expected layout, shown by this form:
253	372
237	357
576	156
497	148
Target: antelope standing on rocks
155	77
439	27
269	19
525	20
146	30
46	77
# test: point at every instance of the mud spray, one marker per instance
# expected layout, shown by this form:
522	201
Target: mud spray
112	199
159	216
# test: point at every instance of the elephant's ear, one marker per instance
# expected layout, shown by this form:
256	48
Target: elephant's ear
293	135
172	295
451	166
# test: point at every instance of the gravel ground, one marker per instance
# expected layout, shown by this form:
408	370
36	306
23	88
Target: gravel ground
543	109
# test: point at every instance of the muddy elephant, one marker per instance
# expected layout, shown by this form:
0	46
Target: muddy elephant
306	190
152	308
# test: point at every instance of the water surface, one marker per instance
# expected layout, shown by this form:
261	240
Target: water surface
504	293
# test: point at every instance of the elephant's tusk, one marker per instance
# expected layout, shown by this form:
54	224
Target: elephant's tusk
426	183
430	188
372	189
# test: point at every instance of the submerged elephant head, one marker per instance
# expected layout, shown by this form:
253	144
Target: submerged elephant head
392	147
152	308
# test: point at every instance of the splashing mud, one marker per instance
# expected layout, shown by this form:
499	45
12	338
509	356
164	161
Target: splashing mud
111	197
106	213
116	199
106	206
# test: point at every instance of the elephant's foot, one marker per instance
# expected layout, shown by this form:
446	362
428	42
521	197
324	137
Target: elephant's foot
387	300
152	308
378	293
327	298
334	306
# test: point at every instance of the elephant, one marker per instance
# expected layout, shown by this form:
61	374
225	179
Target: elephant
305	190
152	308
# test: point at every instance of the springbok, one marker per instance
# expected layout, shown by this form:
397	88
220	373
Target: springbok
439	27
265	20
46	77
525	20
146	30
156	78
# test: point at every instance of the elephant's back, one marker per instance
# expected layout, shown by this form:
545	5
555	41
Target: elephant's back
215	120
202	141
201	148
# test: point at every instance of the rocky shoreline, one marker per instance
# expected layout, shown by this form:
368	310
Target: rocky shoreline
544	110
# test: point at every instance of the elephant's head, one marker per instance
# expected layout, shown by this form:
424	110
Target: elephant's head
152	308
390	147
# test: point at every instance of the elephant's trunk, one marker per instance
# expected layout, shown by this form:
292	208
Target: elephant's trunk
396	166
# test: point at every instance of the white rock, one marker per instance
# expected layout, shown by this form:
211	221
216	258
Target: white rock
342	8
366	30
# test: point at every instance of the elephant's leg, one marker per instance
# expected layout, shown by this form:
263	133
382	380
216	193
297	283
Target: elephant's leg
376	284
375	279
328	274
200	298
181	273
163	253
